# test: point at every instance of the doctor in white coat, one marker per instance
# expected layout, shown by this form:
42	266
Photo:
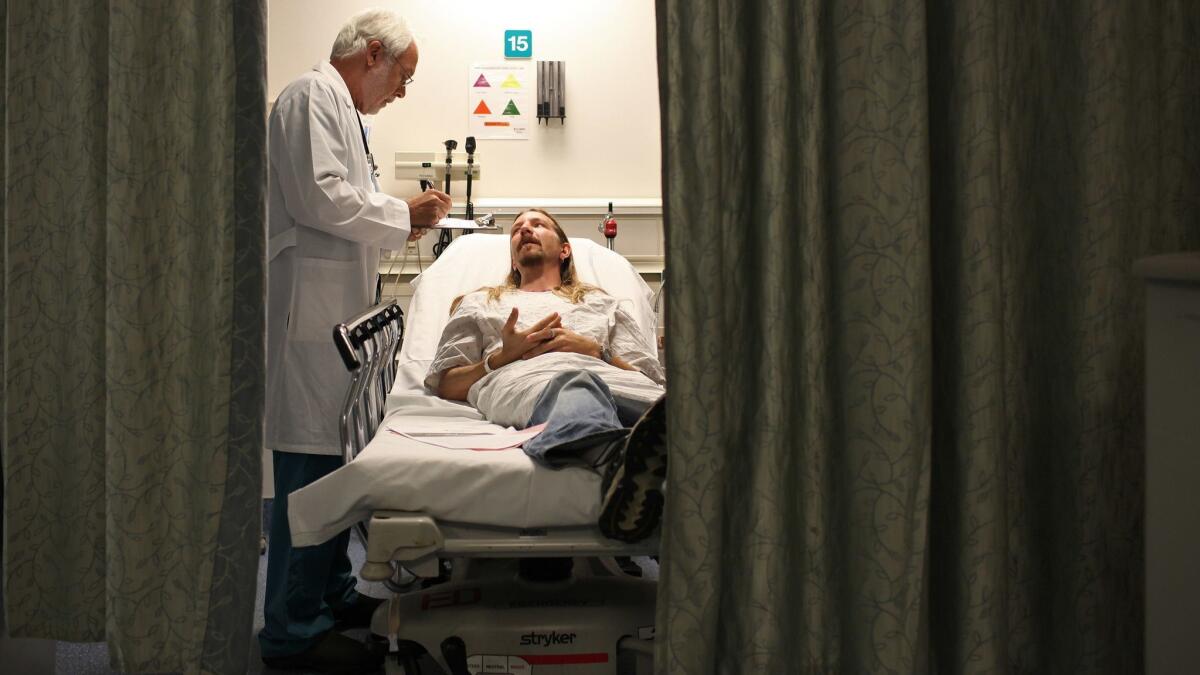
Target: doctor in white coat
327	223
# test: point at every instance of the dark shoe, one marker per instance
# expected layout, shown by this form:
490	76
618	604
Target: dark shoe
334	653
631	491
628	566
357	614
543	570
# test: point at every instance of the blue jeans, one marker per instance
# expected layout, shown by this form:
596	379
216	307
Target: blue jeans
304	585
584	420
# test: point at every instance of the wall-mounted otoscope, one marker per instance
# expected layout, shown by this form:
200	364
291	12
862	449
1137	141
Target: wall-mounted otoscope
470	147
445	236
451	144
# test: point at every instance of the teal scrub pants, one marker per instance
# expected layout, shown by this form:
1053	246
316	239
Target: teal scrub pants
304	585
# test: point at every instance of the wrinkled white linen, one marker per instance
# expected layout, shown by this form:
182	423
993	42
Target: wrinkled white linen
507	395
499	488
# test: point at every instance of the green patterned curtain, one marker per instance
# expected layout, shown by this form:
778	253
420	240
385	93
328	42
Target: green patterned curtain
134	173
905	343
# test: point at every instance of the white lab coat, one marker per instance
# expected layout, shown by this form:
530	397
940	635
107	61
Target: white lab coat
326	224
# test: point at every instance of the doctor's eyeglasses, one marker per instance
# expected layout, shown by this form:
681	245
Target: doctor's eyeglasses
406	78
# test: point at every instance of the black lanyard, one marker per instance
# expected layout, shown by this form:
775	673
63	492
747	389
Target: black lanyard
371	164
362	131
366	148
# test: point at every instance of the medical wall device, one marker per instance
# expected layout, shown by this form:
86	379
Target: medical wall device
552	91
608	227
445	236
411	165
470	148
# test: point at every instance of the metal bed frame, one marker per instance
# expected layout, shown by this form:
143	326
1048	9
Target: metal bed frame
368	345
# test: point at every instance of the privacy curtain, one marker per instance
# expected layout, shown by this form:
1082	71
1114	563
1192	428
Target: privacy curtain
133	326
905	345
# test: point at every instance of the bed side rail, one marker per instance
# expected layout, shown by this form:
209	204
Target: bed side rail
368	344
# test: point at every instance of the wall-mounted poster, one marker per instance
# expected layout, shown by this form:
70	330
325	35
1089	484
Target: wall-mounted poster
501	101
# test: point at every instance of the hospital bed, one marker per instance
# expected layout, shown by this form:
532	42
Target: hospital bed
493	513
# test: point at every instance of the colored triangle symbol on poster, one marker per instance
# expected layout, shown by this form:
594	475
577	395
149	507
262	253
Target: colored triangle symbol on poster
482	81
482	109
510	82
511	109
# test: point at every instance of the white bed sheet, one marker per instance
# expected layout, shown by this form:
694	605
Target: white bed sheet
499	487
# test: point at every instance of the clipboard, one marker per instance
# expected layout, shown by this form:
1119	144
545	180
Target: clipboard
485	222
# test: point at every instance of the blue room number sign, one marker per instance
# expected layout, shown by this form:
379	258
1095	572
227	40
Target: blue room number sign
518	44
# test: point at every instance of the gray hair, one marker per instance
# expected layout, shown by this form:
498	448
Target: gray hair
373	24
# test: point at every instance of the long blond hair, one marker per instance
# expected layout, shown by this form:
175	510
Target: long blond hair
570	287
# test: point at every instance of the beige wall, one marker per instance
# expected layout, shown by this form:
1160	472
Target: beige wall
608	149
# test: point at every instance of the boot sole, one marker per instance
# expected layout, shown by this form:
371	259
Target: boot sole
633	504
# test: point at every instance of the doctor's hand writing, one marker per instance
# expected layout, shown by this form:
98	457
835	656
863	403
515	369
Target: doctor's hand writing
428	208
515	344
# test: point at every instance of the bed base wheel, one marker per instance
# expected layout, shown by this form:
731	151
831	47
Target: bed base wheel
412	659
454	653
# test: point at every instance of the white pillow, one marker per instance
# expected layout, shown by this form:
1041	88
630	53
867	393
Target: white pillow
477	260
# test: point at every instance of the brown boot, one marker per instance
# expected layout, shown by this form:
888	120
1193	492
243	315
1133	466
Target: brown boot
631	491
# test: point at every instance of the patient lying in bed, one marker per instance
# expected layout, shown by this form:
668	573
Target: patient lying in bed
545	348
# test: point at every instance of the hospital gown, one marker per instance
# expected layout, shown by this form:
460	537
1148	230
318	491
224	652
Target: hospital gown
507	395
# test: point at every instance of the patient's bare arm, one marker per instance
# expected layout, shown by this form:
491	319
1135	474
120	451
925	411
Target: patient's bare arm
457	382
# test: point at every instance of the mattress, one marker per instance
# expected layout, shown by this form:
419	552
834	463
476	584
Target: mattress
501	488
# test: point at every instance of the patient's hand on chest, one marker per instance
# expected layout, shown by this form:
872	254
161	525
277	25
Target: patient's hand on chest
563	339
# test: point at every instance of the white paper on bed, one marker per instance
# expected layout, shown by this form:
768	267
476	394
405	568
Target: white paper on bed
480	441
501	488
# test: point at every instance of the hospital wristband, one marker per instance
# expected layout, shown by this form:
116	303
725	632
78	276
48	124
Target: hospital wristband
487	366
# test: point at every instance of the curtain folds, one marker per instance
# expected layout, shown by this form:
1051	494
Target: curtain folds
905	343
134	270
